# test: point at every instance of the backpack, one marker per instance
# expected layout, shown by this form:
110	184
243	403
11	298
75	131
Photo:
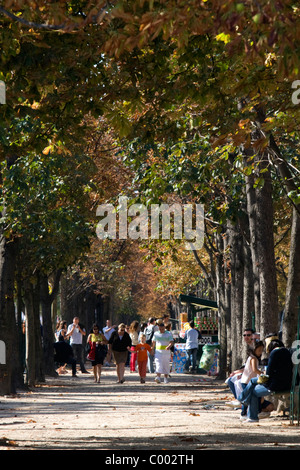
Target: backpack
149	332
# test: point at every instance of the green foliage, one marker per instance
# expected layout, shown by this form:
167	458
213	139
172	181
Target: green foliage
46	208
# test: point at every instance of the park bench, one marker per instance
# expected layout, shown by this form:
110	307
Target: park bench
288	401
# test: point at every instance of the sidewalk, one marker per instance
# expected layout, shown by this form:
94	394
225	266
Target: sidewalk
189	413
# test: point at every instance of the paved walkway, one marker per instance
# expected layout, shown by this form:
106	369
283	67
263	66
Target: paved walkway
189	413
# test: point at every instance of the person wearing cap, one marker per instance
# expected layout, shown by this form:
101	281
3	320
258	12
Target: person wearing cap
278	377
162	342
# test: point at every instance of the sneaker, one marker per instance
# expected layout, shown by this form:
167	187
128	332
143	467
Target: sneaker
234	403
264	414
249	420
166	380
243	417
157	380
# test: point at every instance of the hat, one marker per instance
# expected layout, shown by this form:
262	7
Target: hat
269	339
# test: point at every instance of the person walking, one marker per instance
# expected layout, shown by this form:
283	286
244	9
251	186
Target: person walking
62	331
142	350
149	332
97	342
191	347
121	344
76	333
134	336
162	342
108	330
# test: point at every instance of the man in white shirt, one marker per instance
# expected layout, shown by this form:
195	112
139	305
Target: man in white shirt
192	341
76	334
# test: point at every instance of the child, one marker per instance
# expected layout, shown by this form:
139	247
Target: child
142	356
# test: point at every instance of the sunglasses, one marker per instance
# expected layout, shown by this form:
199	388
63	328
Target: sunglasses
247	335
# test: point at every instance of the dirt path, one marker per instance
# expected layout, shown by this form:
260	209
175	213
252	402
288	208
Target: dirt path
189	413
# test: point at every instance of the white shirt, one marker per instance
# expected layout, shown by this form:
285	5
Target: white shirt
76	337
248	372
191	336
107	335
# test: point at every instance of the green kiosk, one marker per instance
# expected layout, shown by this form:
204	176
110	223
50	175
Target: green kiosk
204	312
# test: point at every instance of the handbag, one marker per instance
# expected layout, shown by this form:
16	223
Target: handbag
91	351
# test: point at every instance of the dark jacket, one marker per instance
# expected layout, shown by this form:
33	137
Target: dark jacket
120	344
280	370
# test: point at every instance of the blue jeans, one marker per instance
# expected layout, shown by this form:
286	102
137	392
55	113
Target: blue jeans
244	407
251	396
150	363
191	358
231	386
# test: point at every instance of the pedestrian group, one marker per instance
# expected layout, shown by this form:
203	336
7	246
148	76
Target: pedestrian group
147	347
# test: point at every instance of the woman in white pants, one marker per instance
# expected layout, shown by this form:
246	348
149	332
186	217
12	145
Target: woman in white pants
162	341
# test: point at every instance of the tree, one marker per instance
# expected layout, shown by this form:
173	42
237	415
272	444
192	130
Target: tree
47	212
217	71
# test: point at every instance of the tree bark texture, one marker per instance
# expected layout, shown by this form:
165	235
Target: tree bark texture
7	314
260	210
293	285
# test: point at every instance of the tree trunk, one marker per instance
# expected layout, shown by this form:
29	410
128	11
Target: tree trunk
8	364
39	362
34	352
30	354
7	315
252	209
248	295
260	209
20	352
237	283
47	300
223	300
293	285
269	312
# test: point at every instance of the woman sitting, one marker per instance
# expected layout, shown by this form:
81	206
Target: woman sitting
278	377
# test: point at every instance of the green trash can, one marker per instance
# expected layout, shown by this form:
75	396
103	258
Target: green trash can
208	356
